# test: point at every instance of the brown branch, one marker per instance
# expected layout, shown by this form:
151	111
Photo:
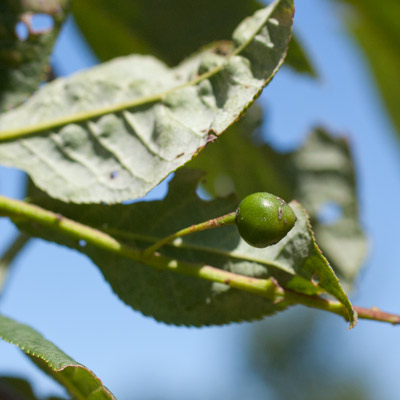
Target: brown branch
375	314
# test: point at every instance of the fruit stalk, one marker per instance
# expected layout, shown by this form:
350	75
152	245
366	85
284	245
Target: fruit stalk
228	219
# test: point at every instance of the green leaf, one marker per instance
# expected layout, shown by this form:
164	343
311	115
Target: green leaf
320	174
295	262
17	389
170	30
114	132
80	382
24	63
298	59
376	27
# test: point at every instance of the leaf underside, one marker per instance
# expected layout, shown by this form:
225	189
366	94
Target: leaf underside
162	117
296	262
77	379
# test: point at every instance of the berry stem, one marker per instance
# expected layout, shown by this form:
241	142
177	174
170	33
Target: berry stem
228	219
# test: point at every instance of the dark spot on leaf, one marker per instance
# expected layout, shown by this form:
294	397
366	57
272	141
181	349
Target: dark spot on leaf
227	281
113	174
179	155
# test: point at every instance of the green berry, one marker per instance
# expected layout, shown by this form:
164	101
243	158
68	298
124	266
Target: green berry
263	219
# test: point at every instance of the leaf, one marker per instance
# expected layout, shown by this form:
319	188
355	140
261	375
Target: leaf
24	63
114	132
320	175
295	262
170	30
298	59
80	382
17	389
327	180
377	29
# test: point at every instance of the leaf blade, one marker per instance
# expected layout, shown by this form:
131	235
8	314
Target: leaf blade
114	157
377	31
183	300
78	380
318	174
177	30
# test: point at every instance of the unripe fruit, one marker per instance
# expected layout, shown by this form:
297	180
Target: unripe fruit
263	219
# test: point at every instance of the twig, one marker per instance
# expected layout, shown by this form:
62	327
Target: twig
267	288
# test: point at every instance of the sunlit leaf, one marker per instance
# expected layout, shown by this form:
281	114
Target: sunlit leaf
114	132
80	382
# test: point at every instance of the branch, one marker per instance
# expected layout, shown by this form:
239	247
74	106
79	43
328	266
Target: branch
268	288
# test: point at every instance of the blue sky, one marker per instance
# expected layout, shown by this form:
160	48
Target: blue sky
60	292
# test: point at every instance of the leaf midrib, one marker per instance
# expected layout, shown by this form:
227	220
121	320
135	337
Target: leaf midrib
190	246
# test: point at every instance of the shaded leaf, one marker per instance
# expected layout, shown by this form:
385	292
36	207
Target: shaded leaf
76	378
114	132
18	389
24	62
298	59
170	30
15	389
327	181
295	261
376	27
320	175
